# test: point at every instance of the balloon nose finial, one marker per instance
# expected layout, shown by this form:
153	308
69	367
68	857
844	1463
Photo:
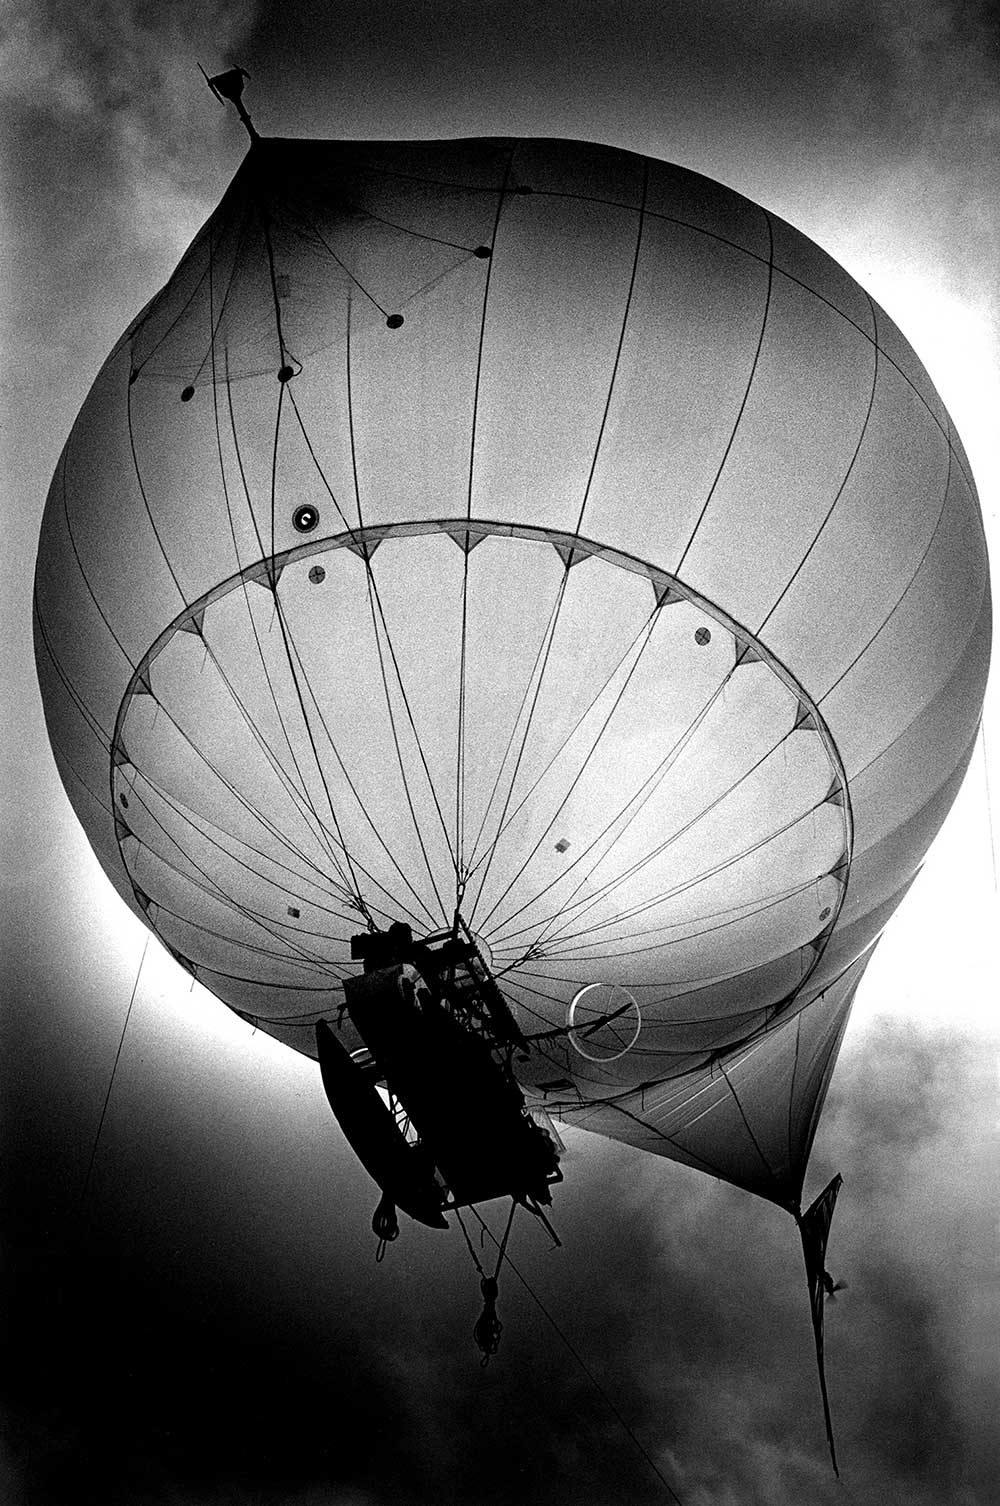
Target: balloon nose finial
229	86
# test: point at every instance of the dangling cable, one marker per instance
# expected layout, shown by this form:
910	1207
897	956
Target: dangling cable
114	1069
585	1368
488	1326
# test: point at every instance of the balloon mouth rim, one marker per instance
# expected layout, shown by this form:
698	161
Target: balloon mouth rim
467	533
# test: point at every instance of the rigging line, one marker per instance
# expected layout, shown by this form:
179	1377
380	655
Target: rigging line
902	596
564	1339
399	754
322	965
83	575
214	885
840	490
374	601
262	741
285	631
581	906
477	384
215	324
654	618
104	738
460	749
380	219
173	720
364	811
570	735
474	863
346	269
688	883
746	396
770	902
756	1143
114	1069
579	521
653	781
186	304
214	891
362	547
256	815
287	641
282	774
491	851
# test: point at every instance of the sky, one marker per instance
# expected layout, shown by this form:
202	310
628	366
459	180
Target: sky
206	1324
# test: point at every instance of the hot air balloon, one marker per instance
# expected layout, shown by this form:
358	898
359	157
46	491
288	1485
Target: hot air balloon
511	616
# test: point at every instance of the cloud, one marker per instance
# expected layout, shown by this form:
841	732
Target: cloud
107	161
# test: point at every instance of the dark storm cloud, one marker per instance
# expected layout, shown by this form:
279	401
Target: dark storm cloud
103	166
290	1368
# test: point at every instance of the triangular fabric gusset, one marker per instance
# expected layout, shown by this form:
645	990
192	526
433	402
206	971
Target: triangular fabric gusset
265	573
570	554
141	685
194	623
363	548
467	538
121	830
814	1230
142	899
819	942
119	756
665	595
746	654
835	794
841	869
804	717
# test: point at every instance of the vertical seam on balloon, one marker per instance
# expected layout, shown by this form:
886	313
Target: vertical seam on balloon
301	789
89	716
839	493
746	396
279	612
899	600
286	641
618	350
375	600
562	587
460	756
142	493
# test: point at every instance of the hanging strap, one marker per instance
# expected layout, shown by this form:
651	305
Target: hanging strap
488	1326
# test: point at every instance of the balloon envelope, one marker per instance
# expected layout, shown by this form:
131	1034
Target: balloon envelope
534	529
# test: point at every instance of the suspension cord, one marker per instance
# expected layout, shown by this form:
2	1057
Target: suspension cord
583	1366
114	1069
488	1326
